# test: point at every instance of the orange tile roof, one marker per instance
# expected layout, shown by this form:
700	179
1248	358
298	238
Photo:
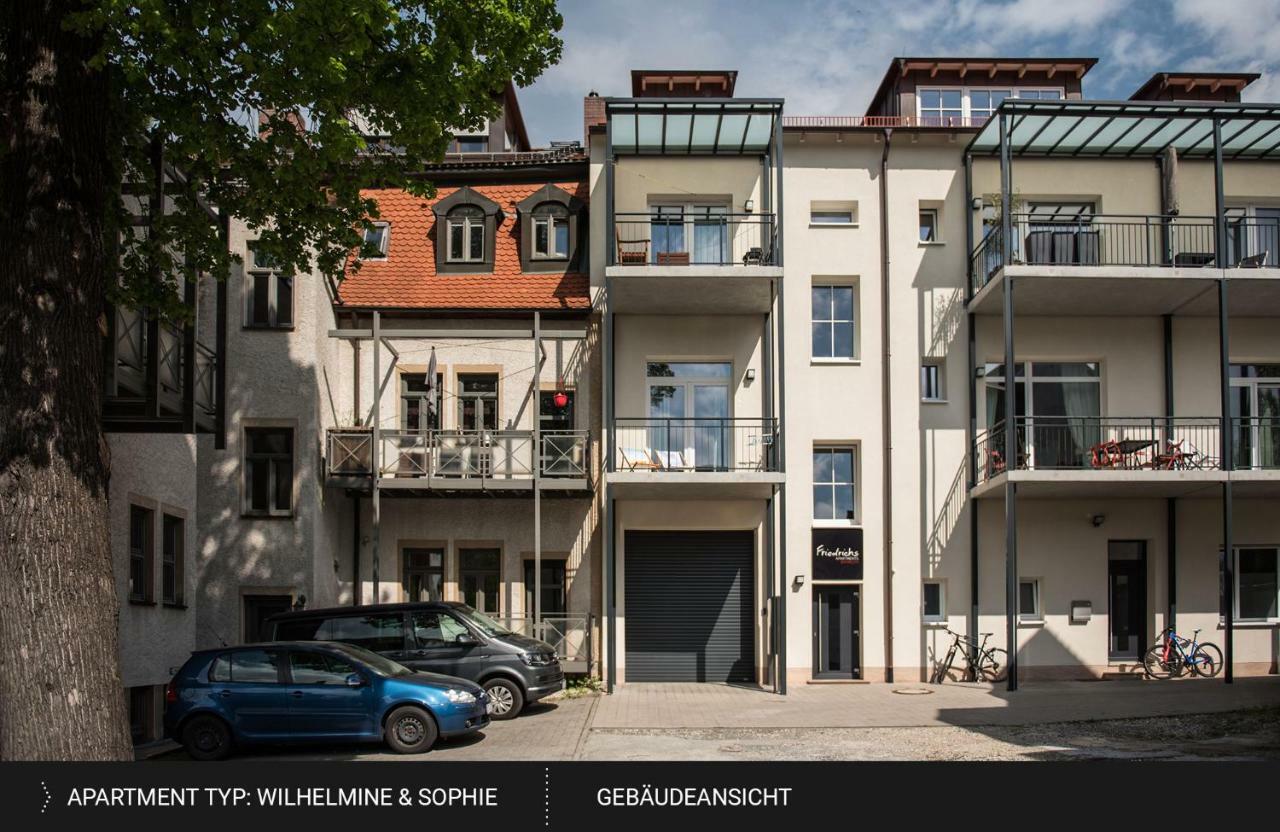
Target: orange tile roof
407	278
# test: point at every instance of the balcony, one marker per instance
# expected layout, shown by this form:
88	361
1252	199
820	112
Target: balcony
140	346
463	461
700	456
694	242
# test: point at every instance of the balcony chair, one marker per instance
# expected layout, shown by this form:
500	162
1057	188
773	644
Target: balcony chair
1254	261
753	257
635	459
632	252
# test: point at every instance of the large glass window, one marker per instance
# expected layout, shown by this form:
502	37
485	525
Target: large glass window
424	574
689	410
465	232
1255	415
419	405
481	576
553	587
834	326
834	494
1058	413
381	633
1257	585
941	108
692	233
268	461
970	106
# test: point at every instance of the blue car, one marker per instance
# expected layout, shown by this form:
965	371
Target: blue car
314	691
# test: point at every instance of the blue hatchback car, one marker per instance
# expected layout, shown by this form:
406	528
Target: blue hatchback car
314	691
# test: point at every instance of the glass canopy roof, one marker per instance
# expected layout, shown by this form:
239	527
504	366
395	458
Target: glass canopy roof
1133	129
692	126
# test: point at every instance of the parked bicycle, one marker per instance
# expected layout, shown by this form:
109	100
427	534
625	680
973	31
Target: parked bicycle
991	664
1172	656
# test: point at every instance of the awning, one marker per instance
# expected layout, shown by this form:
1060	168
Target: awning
690	126
1132	129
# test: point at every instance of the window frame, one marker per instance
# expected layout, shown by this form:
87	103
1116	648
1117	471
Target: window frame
384	245
275	277
936	365
966	100
941	616
1036	616
935	238
853	321
270	459
177	563
552	215
465	216
855	486
146	553
473	138
1237	618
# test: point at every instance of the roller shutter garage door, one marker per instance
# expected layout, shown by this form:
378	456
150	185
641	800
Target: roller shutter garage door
690	606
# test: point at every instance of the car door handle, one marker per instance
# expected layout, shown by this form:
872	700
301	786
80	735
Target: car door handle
225	694
296	694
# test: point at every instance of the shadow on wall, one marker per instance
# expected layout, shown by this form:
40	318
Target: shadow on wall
1043	648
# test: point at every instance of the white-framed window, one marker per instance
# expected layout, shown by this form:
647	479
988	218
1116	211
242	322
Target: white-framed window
931	381
834	321
550	232
971	106
929	225
834	483
1257	584
268	294
268	471
1029	609
934	602
465	235
377	238
833	213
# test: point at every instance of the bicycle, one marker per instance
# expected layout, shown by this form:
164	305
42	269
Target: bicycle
992	664
1172	655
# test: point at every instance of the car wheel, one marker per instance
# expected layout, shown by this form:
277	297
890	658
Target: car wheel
508	699
207	738
411	730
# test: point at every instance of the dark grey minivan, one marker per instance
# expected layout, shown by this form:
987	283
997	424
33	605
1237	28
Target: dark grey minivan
439	637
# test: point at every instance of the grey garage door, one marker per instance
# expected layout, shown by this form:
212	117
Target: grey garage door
689	606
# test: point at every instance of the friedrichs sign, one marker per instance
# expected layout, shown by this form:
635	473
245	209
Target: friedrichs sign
837	554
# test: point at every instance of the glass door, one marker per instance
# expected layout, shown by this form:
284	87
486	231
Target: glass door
481	572
1127	607
837	652
711	235
711	427
689	414
1255	412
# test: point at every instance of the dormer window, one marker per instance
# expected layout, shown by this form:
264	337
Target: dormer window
551	231
376	240
466	234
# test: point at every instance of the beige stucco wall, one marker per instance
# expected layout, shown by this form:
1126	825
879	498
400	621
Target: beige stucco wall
642	181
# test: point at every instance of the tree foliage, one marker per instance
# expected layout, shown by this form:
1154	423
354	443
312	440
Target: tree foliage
194	75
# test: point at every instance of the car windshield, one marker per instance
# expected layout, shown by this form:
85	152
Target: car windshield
480	621
378	664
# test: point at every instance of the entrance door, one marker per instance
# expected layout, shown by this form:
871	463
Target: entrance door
836	645
257	609
1127	610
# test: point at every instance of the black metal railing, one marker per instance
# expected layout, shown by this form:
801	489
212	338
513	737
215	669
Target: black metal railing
459	454
1124	240
126	382
709	239
1105	443
694	444
1255	443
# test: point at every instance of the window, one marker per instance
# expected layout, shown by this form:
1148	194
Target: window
424	574
473	144
481	574
553	587
269	301
931	381
436	629
1039	95
380	633
693	233
970	106
934	602
833	484
419	406
318	669
466	235
982	103
141	713
1255	415
929	225
1257	583
376	239
268	463
1062	403
1029	601
941	108
689	404
833	213
260	667
172	539
140	555
551	232
834	334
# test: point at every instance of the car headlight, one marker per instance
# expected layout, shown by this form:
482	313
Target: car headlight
538	659
460	697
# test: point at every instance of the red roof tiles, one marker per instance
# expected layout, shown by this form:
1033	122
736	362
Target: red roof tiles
407	278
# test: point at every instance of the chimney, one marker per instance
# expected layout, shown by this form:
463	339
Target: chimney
592	115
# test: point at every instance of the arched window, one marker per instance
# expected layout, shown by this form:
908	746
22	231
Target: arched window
550	231
465	235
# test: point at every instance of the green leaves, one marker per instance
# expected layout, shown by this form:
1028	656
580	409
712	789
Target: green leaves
263	105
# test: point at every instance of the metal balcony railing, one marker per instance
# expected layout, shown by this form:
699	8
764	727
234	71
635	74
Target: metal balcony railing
1255	443
1106	443
694	444
569	634
688	239
458	454
126	381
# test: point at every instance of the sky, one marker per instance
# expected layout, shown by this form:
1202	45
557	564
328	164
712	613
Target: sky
825	57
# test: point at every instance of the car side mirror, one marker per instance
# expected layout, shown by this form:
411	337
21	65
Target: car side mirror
355	680
465	639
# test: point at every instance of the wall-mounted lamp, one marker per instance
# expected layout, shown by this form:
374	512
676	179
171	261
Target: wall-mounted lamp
751	375
300	602
1098	519
977	203
797	581
749	205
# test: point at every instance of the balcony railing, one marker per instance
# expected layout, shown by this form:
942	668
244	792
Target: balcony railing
694	444
1255	443
1124	240
569	634
126	383
445	454
1066	443
711	239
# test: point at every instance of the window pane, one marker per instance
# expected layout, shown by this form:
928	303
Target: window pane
930	99
842	466
426	630
822	466
456	230
1028	602
822	502
259	484
318	669
821	303
927	230
844	502
842	303
284	301
284	485
259	306
379	633
268	440
951	99
562	238
933	600
220	671
477	241
822	341
843	347
1257	580
255	666
831	217
540	237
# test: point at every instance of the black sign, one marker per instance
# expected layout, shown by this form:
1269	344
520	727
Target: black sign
837	554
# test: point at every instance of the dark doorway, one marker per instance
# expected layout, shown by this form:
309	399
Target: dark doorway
837	649
1127	607
257	609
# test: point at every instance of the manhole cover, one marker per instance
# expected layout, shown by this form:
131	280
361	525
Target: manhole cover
913	691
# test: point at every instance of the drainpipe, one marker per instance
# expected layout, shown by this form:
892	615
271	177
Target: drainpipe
355	549
886	409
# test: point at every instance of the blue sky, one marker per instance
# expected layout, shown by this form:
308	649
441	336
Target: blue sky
826	57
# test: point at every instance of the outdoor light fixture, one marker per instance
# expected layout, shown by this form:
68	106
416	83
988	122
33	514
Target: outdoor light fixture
798	581
749	205
1098	520
977	203
751	375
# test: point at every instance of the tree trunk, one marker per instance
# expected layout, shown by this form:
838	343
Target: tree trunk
60	689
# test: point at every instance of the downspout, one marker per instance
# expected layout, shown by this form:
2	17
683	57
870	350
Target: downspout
886	408
355	548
